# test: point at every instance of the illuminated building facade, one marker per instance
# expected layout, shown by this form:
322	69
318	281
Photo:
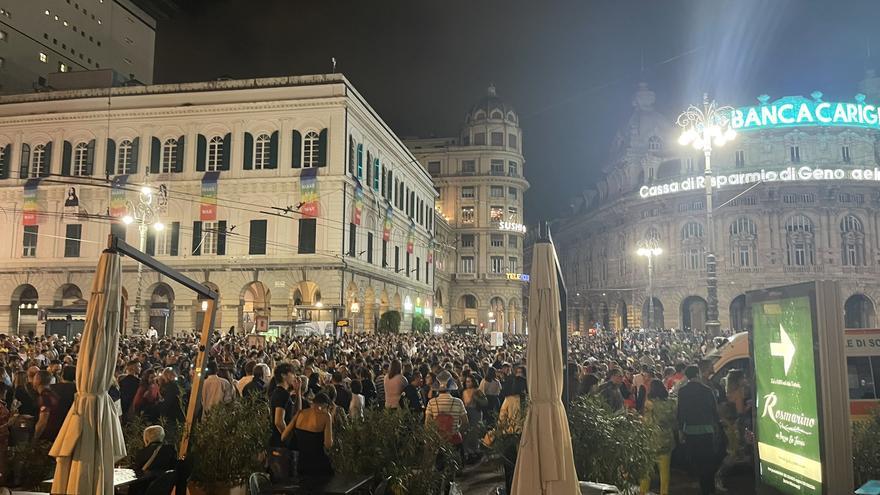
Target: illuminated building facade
796	200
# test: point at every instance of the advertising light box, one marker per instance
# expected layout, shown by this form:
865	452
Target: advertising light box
788	427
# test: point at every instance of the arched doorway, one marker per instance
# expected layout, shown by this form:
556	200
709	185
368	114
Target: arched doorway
497	318
439	312
371	318
858	312
621	319
467	305
200	313
513	323
693	313
24	306
604	316
740	314
68	295
67	315
161	309
255	309
656	320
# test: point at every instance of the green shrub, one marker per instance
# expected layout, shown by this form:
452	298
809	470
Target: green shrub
31	464
420	324
229	443
390	322
396	444
609	448
866	449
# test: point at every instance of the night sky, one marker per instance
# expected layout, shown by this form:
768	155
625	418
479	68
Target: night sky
568	67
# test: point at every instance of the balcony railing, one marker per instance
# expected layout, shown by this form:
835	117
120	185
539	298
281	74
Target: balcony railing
802	269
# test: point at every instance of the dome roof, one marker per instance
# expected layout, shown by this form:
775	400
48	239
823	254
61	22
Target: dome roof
646	130
491	107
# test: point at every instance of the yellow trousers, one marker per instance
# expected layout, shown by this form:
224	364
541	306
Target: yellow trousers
663	463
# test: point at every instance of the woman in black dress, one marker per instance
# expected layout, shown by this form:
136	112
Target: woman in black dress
313	428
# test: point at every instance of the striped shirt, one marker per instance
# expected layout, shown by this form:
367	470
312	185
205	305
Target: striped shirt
446	404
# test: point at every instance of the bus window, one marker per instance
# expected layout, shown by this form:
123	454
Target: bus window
861	377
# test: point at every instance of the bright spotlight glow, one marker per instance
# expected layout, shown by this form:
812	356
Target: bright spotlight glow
729	134
127	220
319	304
159	226
684	139
720	141
145	190
204	305
698	144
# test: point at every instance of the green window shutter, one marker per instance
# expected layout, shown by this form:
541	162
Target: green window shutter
248	151
297	149
66	155
48	155
175	238
90	158
109	167
25	161
322	148
181	148
351	155
151	242
221	237
135	149
227	151
4	165
197	239
273	151
257	237
155	155
201	153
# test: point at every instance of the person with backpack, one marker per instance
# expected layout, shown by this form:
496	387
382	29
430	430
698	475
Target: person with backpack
447	412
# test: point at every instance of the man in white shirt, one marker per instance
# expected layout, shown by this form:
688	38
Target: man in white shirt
152	333
215	390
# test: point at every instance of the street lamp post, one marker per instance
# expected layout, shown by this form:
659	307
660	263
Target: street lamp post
649	250
144	214
703	127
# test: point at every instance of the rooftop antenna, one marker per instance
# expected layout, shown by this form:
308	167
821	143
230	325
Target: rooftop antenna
333	61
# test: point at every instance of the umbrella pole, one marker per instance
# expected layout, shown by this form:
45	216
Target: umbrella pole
198	376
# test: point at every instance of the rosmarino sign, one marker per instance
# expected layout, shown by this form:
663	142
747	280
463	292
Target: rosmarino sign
789	174
797	111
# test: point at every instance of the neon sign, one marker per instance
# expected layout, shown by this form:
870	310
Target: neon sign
789	174
512	227
797	111
522	277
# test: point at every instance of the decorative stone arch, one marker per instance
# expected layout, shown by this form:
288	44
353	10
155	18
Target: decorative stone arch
23	306
368	310
257	127
397	303
79	136
254	307
514	325
621	315
383	302
655	321
160	308
168	132
859	312
468	307
122	133
693	313
498	308
199	313
740	314
309	291
67	295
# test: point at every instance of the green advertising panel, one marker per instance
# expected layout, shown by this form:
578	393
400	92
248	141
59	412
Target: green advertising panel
787	429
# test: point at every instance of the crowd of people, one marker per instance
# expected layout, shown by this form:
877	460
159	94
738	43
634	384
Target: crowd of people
459	383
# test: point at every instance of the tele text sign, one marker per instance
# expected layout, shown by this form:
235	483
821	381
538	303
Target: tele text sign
787	404
797	111
788	174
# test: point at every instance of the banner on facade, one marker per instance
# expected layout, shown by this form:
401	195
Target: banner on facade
208	210
117	196
30	207
431	250
409	236
71	203
389	219
162	199
308	190
358	207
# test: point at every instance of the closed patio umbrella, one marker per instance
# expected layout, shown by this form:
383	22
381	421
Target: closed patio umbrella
90	441
545	464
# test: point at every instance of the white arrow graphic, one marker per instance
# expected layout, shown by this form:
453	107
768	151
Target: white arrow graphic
784	349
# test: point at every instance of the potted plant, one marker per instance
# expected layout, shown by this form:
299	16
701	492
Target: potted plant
227	445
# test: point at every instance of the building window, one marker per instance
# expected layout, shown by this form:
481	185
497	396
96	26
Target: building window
512	241
692	246
72	238
512	265
468	167
844	151
512	169
467	214
497	264
43	57
496	191
496	213
81	159
800	237
497	167
257	237
467	191
743	242
740	157
467	240
497	139
513	214
396	259
310	149
512	193
169	155
480	139
124	157
793	198
689	165
654	143
307	235
852	241
262	151
467	264
434	168
795	154
497	240
215	154
512	141
39	163
210	237
360	161
352	240
851	198
370	248
29	241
